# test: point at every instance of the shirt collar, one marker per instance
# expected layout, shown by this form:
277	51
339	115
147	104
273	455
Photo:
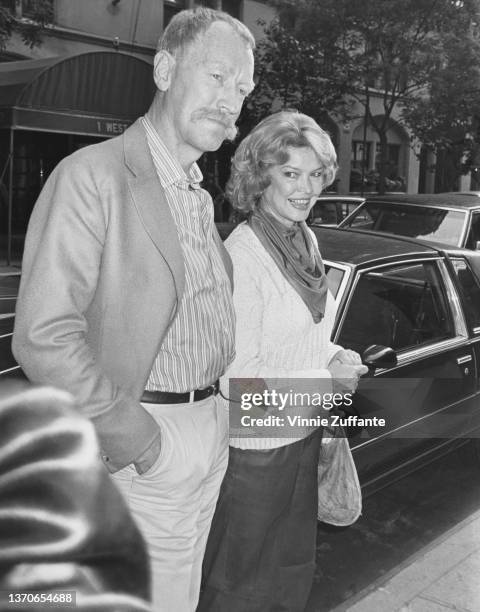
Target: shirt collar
169	170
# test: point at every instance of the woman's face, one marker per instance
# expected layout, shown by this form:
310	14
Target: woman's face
294	186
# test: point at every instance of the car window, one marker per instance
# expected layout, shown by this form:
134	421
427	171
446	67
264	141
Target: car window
334	277
402	307
331	212
408	220
470	291
474	234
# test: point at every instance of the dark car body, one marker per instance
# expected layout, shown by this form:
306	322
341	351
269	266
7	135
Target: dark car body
450	218
9	283
423	303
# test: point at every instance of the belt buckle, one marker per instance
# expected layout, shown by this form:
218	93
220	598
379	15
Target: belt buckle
208	390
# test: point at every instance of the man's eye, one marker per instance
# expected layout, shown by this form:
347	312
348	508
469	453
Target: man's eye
217	77
243	92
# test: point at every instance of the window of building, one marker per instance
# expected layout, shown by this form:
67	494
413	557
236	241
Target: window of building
213	4
232	7
361	154
8	4
170	9
32	9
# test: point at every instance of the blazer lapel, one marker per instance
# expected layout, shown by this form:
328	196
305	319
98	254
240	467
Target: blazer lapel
151	203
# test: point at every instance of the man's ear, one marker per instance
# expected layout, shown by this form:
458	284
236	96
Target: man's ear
163	66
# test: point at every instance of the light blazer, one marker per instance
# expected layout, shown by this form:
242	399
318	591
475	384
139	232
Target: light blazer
102	278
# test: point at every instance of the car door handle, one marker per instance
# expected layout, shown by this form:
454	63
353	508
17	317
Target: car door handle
464	359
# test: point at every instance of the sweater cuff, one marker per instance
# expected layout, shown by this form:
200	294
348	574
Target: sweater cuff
318	380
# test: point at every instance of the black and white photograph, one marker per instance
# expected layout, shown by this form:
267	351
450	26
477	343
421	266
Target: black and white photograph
240	305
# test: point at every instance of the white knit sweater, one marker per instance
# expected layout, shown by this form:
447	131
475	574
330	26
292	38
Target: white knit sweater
276	338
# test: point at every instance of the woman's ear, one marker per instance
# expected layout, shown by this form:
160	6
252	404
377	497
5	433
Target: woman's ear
163	66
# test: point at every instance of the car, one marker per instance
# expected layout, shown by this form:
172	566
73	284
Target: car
475	194
9	283
412	311
333	209
452	218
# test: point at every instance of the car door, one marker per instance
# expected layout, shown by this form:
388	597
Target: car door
413	307
9	283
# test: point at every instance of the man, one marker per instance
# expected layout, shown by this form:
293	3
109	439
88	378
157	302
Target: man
125	298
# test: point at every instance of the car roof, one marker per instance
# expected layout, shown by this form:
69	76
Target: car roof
457	201
475	194
359	248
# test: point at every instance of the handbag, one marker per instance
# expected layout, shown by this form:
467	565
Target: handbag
339	492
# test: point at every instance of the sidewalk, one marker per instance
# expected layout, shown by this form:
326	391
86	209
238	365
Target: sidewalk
442	577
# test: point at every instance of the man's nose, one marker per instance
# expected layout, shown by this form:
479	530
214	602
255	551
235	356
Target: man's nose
230	100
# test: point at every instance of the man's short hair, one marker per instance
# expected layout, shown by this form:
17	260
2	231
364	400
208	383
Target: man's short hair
186	26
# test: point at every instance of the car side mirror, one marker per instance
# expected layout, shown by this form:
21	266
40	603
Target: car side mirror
379	356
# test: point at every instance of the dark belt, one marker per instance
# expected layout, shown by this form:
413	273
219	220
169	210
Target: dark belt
167	397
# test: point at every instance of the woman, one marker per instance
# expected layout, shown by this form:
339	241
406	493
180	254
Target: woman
261	550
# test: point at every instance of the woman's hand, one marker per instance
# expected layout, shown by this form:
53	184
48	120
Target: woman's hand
345	376
347	356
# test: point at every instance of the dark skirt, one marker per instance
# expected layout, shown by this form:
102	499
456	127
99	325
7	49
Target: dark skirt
260	554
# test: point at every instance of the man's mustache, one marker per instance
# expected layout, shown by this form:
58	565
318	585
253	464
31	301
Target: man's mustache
226	119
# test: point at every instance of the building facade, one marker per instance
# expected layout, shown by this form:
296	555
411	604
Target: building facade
103	34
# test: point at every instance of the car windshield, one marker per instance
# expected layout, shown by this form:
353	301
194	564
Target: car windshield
428	223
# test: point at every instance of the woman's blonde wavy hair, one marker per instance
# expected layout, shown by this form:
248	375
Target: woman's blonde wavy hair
266	146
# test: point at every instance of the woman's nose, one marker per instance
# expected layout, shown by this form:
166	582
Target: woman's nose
305	184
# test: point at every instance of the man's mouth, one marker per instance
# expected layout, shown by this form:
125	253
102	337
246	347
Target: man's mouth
222	121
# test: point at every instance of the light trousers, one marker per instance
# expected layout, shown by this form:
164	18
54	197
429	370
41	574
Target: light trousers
173	502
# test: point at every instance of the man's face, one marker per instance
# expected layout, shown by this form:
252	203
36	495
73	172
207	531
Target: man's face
209	83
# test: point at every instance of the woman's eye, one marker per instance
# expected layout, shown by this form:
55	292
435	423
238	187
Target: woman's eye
317	174
290	174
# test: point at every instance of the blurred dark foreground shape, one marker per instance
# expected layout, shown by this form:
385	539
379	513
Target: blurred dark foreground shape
63	525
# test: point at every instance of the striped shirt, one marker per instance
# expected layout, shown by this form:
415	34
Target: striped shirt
199	344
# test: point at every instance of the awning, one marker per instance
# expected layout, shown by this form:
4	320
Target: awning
96	94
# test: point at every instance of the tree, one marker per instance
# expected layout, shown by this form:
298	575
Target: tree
388	49
294	72
446	116
30	29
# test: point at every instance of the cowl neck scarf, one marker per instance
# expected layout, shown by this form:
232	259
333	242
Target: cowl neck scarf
297	258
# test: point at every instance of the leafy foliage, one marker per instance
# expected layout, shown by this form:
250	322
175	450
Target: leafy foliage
320	54
40	14
445	117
